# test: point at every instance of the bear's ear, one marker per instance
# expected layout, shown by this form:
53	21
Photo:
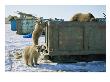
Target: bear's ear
43	47
91	15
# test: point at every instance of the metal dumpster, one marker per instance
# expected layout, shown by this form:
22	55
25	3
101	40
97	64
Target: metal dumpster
76	38
13	25
25	26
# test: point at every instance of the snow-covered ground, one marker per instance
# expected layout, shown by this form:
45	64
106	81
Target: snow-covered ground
14	42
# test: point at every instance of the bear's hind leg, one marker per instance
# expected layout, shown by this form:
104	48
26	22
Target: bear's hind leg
30	62
26	59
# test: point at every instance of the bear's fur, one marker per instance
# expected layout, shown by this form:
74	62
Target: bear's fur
37	31
83	17
31	55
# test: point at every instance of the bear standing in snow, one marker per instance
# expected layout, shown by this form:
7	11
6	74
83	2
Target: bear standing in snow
31	55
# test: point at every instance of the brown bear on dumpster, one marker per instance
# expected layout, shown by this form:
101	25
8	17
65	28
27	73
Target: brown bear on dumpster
83	17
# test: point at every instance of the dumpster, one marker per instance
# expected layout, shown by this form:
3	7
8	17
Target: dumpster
25	26
13	25
13	22
76	41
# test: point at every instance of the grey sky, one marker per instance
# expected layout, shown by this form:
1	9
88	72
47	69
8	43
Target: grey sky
56	11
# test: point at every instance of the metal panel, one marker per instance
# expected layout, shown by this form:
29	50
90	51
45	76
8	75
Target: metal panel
19	26
76	38
65	37
96	36
70	38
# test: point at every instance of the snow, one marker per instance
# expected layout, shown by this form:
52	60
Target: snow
15	43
